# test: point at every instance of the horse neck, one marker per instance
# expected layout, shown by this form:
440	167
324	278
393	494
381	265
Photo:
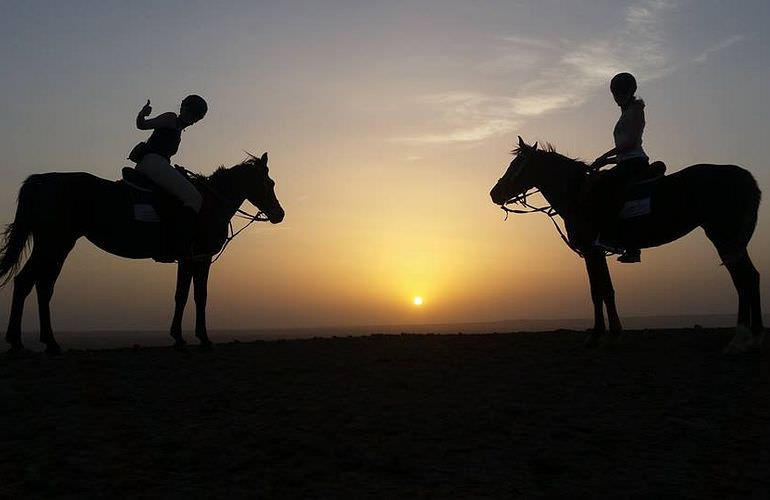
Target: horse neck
560	179
227	191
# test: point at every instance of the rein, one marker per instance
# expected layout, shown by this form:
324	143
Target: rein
530	209
252	218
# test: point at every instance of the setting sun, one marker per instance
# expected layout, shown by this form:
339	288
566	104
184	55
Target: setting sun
417	301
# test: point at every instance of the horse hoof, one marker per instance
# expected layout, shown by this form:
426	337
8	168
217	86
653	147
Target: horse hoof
53	348
593	340
735	349
742	342
180	345
16	350
759	340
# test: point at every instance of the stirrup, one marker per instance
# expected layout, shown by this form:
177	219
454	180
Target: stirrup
631	256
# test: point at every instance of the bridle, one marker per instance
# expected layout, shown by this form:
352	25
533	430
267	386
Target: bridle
260	216
521	200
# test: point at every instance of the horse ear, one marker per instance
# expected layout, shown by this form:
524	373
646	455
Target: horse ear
521	142
264	158
535	146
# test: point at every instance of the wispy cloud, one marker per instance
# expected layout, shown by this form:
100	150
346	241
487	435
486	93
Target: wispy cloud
718	47
573	72
469	117
473	134
639	47
529	42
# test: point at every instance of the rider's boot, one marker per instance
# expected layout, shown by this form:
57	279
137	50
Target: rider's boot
631	256
182	236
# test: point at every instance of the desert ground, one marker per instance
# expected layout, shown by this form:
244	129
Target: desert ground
527	415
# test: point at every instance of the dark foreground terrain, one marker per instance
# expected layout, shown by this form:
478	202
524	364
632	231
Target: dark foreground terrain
663	414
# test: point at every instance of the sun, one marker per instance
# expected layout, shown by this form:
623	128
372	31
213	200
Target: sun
417	301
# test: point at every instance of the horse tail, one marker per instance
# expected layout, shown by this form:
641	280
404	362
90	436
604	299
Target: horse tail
16	235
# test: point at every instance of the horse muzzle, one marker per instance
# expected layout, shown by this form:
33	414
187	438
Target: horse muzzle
275	215
498	197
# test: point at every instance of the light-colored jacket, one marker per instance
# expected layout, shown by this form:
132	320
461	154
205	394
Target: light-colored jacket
629	130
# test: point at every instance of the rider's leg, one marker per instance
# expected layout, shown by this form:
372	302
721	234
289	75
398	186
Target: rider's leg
161	172
619	177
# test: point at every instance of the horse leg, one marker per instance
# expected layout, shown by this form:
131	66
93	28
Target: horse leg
594	260
608	293
742	278
22	285
755	303
183	279
46	280
749	331
200	292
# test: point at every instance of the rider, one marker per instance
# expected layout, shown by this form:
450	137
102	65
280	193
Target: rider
153	157
628	155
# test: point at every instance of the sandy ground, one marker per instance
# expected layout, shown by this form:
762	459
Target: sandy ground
530	415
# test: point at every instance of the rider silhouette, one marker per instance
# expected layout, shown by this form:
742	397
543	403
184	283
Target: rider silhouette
153	159
628	155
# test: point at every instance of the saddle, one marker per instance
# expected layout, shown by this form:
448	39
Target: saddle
655	170
149	202
633	204
637	193
152	206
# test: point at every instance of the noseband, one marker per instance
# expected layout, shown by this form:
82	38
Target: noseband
242	214
521	200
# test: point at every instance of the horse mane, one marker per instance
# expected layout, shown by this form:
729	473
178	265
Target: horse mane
550	152
221	170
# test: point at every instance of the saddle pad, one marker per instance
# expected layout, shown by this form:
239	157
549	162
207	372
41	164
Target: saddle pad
144	212
635	208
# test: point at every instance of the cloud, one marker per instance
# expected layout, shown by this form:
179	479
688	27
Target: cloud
529	42
465	134
573	72
510	63
639	47
533	105
718	47
469	117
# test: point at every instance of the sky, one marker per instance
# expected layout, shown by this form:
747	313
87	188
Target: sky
386	123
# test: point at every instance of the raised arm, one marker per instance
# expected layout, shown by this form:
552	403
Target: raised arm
164	120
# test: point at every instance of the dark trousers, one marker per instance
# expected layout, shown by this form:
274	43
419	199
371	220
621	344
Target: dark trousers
623	173
603	200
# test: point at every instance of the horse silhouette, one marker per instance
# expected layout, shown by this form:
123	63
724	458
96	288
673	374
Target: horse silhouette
56	209
722	199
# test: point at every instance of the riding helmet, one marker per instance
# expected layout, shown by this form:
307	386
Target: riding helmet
623	84
196	104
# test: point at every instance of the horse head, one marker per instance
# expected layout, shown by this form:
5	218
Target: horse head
261	191
518	178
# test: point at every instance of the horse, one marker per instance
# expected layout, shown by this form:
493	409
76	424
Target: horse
721	199
56	209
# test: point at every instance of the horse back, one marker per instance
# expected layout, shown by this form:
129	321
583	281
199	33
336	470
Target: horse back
704	185
714	197
60	197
